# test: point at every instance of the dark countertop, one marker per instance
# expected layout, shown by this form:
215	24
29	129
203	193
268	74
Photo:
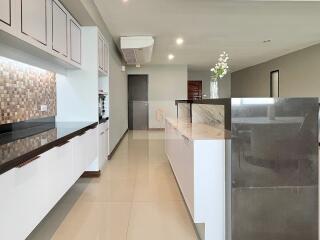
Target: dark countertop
19	146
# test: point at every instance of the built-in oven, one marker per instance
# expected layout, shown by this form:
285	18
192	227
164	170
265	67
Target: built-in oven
103	107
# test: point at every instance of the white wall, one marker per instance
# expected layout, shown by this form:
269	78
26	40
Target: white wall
118	90
205	76
118	103
299	76
166	84
77	98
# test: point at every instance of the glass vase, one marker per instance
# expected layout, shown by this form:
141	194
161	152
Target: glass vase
214	89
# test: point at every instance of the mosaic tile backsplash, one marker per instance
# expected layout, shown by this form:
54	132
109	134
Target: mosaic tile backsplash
23	89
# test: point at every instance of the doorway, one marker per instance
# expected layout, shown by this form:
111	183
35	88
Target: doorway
138	107
274	84
194	90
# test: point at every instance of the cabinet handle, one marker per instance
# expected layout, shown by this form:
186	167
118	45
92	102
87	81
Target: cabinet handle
27	162
62	144
80	134
101	133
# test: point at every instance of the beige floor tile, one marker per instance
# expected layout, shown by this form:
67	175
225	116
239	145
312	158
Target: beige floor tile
120	171
107	221
109	191
151	188
136	197
160	221
155	169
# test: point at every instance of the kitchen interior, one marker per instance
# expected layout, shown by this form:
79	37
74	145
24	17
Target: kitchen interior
64	114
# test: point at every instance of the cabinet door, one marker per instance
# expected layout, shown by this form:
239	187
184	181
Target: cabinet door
106	143
92	146
31	191
5	11
60	172
102	143
34	19
75	42
100	52
79	155
9	217
59	29
106	58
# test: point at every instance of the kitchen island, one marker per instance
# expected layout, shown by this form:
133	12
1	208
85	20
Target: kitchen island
201	179
247	168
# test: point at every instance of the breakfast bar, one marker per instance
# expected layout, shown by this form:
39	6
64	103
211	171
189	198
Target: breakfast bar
240	162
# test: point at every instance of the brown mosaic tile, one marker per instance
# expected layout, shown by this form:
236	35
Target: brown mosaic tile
23	89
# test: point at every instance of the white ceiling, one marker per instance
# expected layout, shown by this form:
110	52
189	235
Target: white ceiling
210	27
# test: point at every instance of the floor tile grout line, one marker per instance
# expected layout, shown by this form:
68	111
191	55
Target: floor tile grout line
131	207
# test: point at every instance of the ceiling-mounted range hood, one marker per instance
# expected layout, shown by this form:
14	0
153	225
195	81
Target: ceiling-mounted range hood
137	50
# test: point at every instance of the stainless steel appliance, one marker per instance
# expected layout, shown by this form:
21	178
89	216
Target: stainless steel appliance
103	111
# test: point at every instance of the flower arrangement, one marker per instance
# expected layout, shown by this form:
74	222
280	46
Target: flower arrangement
221	68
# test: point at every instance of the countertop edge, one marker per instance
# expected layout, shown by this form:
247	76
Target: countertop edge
175	122
36	152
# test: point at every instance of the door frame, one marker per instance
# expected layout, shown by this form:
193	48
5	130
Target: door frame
147	75
271	85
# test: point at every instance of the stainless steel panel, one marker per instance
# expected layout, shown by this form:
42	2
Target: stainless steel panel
274	169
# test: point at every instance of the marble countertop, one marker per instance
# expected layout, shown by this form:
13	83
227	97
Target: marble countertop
199	131
17	147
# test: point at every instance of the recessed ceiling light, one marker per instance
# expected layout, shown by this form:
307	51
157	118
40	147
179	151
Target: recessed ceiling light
179	41
124	1
170	56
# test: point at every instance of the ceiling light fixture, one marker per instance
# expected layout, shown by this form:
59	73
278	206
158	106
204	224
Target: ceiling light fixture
170	56
125	1
179	41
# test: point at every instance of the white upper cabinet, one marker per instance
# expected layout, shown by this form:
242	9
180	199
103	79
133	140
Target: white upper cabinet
43	24
59	29
103	55
75	42
5	11
34	19
101	52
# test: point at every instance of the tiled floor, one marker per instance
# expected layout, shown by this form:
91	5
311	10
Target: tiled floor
136	198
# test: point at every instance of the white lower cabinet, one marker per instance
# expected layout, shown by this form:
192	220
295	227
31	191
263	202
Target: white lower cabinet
60	177
30	191
24	199
199	167
91	147
103	143
78	155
